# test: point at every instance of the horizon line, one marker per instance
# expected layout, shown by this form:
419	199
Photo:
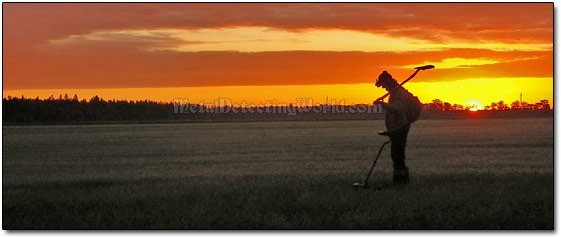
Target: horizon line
295	104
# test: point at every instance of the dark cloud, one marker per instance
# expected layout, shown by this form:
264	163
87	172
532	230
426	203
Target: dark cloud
38	21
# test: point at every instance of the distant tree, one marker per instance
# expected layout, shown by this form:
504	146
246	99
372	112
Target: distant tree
515	105
437	104
501	105
94	99
545	105
458	107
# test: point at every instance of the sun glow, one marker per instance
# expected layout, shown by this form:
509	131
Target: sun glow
472	92
474	104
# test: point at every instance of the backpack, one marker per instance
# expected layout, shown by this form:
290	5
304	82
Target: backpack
414	107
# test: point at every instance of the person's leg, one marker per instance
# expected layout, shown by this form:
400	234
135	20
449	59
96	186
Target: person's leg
399	140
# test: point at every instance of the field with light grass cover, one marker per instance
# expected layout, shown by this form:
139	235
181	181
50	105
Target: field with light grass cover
465	174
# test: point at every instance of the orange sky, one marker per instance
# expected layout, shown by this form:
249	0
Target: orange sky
257	52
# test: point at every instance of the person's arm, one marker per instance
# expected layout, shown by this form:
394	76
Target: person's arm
389	107
397	107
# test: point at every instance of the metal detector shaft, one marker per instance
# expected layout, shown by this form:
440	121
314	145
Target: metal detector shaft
406	80
374	164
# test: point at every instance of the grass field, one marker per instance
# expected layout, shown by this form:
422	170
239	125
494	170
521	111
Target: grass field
465	174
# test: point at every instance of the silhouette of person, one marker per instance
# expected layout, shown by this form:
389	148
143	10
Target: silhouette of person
397	124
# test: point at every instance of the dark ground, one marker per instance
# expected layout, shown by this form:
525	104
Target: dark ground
466	174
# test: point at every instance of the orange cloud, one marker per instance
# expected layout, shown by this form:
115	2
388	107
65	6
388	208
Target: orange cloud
109	67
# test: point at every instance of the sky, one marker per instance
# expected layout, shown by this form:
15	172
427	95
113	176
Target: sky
258	52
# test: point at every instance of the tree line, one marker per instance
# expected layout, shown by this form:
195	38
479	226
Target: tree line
439	105
64	110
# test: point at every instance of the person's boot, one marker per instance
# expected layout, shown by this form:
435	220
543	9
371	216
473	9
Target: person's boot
401	177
